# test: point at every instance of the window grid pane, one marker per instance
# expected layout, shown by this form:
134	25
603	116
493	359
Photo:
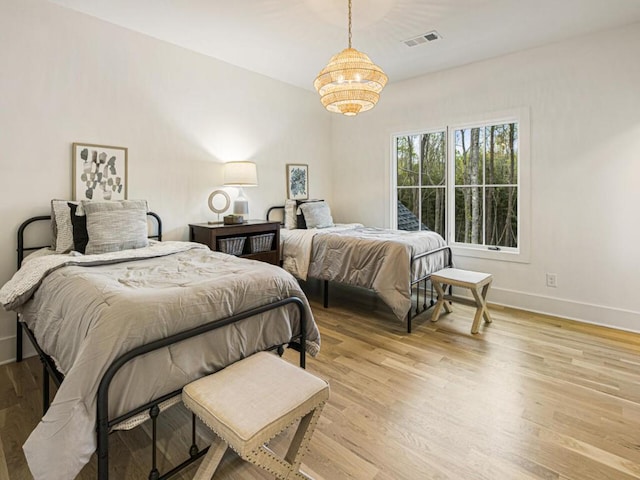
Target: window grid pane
420	166
502	154
408	209
433	208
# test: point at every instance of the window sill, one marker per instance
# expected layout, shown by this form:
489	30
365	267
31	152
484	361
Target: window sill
484	253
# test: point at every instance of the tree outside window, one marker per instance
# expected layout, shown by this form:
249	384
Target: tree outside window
486	185
483	183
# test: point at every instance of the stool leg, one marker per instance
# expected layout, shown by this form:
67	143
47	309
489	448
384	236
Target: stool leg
481	308
211	460
440	303
301	439
487	315
289	468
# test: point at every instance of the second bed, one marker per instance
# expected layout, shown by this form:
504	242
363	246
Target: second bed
392	263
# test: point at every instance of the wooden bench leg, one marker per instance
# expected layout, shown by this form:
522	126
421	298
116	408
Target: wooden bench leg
211	460
487	315
481	307
440	303
289	468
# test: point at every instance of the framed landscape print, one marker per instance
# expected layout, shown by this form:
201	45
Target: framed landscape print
99	172
297	181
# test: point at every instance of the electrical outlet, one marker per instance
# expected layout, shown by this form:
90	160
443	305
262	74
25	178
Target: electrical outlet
552	280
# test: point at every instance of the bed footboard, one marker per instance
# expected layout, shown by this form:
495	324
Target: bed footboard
104	424
424	279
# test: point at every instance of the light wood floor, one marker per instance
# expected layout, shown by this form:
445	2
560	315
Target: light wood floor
529	397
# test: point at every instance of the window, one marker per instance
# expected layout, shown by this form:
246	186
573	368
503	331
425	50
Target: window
466	183
485	199
421	181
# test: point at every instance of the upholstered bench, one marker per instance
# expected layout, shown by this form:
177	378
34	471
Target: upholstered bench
252	401
477	282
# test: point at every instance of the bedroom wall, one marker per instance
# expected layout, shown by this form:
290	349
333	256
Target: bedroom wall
67	77
584	103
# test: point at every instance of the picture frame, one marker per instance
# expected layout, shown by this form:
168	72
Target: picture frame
99	172
297	181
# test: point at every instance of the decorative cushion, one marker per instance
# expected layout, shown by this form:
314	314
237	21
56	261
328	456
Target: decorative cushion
317	214
61	228
290	220
79	224
301	223
117	225
253	400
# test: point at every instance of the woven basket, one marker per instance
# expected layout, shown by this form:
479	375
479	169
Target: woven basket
261	243
232	246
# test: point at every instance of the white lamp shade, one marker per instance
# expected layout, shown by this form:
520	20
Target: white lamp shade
240	174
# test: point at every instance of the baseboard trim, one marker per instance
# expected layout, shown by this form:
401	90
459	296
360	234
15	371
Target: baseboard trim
605	316
8	349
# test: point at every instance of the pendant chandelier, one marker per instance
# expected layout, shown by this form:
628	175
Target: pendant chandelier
351	83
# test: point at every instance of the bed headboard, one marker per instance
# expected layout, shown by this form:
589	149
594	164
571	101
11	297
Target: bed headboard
21	233
275	209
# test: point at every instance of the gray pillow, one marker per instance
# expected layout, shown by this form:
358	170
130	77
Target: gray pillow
317	215
117	225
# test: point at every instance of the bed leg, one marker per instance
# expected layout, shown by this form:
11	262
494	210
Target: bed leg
409	322
326	293
103	446
45	387
193	451
154	474
18	340
424	305
417	297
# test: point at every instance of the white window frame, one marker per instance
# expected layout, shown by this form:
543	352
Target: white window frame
520	254
394	170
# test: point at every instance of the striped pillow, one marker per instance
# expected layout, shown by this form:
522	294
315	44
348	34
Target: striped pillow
290	220
117	225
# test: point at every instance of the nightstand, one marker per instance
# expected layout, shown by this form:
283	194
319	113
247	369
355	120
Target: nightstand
217	235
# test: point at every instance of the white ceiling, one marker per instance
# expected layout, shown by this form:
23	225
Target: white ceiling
291	40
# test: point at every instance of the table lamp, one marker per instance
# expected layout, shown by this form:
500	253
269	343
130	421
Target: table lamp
240	174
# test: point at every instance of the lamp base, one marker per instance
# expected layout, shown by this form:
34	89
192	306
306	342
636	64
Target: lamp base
241	205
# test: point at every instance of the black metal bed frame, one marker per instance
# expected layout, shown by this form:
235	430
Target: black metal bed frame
413	283
103	423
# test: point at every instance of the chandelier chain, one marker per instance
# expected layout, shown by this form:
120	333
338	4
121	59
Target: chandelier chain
349	23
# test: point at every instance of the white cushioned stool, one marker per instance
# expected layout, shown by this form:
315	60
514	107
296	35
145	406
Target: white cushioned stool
477	282
250	402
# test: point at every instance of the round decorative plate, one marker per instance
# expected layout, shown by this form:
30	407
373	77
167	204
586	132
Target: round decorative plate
227	201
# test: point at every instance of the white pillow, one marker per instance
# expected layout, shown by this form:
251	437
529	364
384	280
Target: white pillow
116	225
290	219
317	215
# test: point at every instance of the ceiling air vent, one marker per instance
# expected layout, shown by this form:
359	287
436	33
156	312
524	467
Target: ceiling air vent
424	38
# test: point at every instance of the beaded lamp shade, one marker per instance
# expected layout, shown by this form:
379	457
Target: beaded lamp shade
351	83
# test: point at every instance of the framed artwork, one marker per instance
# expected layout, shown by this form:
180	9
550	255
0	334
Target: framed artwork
297	181
99	172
